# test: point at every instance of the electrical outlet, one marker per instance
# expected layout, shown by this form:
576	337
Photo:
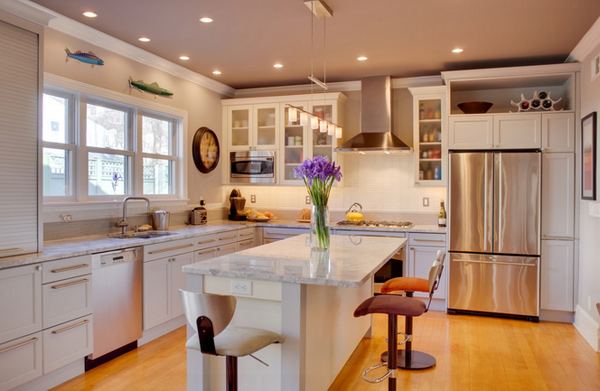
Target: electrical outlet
65	218
241	287
307	200
253	198
425	201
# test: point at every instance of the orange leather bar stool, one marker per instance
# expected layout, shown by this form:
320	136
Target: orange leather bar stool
408	358
210	315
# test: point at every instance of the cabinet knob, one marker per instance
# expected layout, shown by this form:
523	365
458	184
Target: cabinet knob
39	267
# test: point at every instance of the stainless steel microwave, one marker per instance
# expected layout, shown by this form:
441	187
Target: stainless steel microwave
252	167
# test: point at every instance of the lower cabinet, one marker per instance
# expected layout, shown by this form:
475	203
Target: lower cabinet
163	278
556	282
274	234
67	342
423	248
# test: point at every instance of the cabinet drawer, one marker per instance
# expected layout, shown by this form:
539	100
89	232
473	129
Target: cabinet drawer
169	249
245	244
67	299
66	268
430	240
20	361
67	342
227	237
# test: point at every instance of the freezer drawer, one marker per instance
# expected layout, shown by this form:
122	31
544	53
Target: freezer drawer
494	283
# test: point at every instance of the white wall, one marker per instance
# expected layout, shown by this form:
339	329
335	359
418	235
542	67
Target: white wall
587	318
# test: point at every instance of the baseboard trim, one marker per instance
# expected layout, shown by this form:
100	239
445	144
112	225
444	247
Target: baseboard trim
557	316
161	329
587	327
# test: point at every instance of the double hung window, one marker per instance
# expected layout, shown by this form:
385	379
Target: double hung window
98	149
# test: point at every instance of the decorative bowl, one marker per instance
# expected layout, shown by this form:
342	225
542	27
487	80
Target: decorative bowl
475	107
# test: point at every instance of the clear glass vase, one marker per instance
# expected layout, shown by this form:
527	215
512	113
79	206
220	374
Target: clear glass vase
319	227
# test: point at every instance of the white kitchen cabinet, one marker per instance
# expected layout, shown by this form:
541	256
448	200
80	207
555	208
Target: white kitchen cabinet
274	234
429	128
247	117
162	278
556	282
253	127
67	342
20	360
501	131
19	103
558	132
423	248
558	195
21	303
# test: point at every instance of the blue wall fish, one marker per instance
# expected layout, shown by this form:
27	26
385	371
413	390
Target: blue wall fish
88	58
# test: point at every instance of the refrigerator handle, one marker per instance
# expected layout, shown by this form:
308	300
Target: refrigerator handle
498	189
488	229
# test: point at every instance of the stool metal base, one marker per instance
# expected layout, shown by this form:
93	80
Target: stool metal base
418	360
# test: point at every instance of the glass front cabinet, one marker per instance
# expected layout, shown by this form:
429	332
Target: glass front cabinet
264	123
429	127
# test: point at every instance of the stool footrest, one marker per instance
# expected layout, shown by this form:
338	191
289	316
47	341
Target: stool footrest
417	359
379	379
406	338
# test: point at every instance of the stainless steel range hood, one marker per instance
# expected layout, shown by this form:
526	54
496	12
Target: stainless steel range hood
376	119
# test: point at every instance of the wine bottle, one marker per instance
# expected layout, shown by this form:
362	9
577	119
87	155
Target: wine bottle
442	215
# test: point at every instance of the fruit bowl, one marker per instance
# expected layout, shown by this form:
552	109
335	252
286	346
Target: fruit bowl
475	107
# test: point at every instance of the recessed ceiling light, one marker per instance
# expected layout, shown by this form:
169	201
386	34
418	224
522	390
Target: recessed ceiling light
278	65
90	14
457	50
206	20
216	72
184	58
144	39
362	58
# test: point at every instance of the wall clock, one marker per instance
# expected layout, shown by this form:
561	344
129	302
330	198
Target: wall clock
205	149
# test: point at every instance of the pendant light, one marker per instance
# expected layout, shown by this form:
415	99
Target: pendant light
322	11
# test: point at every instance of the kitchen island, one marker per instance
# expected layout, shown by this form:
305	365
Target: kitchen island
308	297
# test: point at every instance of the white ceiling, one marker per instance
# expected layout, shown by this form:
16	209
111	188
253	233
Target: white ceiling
401	38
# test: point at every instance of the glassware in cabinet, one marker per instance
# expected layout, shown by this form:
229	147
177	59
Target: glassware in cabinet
293	143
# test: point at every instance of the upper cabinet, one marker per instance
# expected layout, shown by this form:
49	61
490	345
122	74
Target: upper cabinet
253	127
429	127
547	90
263	123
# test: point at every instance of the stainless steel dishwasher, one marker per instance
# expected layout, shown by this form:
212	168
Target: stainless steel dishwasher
117	303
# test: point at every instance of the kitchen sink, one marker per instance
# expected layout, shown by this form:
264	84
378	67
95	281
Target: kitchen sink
142	235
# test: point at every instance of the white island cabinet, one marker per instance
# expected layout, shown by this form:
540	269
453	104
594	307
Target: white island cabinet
309	298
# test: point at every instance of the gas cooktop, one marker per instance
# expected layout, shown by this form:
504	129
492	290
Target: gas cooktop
377	224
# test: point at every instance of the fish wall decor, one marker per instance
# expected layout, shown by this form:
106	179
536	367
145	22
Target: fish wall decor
87	58
152	88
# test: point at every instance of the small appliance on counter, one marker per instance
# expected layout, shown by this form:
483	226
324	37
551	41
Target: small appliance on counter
199	215
236	210
160	220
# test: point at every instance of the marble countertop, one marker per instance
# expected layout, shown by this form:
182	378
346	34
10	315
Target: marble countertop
348	263
59	249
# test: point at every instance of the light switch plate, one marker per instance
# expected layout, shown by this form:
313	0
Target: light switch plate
253	198
425	201
307	200
594	209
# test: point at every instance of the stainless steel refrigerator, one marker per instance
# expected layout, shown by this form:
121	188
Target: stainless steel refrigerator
494	222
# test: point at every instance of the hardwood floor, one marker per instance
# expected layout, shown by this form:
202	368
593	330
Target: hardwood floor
473	353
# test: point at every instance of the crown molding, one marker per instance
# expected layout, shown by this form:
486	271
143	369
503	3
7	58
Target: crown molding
26	10
589	41
78	30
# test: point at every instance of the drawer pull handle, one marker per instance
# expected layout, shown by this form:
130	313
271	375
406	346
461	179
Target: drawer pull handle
9	250
247	242
228	237
85	321
8	348
430	240
247	234
164	250
212	250
69	268
207	241
66	284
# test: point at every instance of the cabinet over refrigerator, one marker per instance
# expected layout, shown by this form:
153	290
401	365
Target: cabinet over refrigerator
494	242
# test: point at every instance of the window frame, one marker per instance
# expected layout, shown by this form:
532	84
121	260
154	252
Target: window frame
138	107
70	146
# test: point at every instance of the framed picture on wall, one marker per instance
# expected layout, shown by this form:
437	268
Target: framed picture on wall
588	157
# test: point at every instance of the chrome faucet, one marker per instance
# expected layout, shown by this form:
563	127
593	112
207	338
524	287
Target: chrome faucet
123	222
